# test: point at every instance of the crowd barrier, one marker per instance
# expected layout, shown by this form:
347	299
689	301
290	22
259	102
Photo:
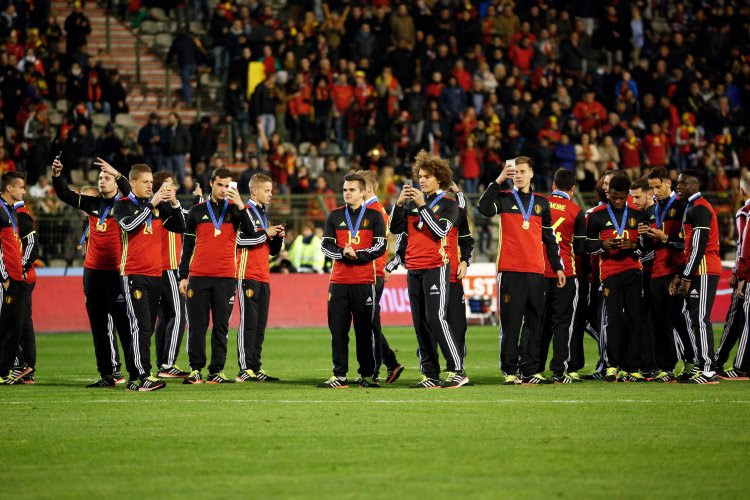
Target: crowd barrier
297	300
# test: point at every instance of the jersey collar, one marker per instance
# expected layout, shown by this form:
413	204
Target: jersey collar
695	196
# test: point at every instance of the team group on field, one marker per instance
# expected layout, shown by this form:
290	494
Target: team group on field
639	273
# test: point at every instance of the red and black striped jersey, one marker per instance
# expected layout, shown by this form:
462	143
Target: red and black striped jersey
254	250
701	232
104	249
29	247
142	225
742	261
669	257
460	244
171	249
11	261
368	241
600	227
427	230
374	204
207	251
522	243
569	225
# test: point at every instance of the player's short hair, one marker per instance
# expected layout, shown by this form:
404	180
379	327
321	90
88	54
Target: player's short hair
138	169
220	173
564	179
258	179
370	177
691	173
660	173
89	190
641	183
356	178
745	182
520	160
619	183
8	178
160	178
433	165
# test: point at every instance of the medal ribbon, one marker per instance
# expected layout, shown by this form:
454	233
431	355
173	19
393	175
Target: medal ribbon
10	216
104	211
353	231
621	227
526	213
217	224
135	200
263	219
660	220
561	194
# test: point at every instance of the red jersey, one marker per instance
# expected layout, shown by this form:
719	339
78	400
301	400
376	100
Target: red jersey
368	242
374	204
701	230
522	243
630	153
427	229
460	243
569	225
742	262
206	250
29	246
656	150
11	265
600	227
669	257
142	226
171	249
254	250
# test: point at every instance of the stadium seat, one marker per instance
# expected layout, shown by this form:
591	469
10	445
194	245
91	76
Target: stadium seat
100	120
151	27
126	121
158	14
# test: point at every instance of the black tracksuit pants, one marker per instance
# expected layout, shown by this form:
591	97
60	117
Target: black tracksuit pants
429	293
457	316
27	345
142	295
697	311
577	357
522	297
668	325
739	329
648	335
15	304
107	310
389	357
559	325
255	298
623	301
209	298
347	303
170	326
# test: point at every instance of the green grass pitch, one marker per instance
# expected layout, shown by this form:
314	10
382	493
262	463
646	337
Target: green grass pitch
292	440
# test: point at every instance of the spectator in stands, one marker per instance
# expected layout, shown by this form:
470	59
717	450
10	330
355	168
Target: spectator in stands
204	141
77	29
631	150
150	141
177	143
115	95
565	153
185	50
470	159
305	253
264	102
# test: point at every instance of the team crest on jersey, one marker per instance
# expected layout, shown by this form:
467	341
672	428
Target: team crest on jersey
365	223
191	293
506	298
606	292
537	209
631	222
9	299
329	296
137	295
672	212
249	293
435	208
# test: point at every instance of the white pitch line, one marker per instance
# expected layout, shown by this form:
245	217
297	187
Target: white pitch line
381	401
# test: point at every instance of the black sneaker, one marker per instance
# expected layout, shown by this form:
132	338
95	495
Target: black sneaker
687	373
105	381
19	371
595	375
194	378
133	385
536	379
262	376
9	381
218	378
732	374
29	378
367	383
393	374
427	383
702	378
151	384
564	378
455	380
119	378
650	374
172	372
664	377
334	383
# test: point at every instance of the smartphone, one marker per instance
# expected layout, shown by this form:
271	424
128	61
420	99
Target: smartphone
233	185
283	223
510	163
409	182
59	154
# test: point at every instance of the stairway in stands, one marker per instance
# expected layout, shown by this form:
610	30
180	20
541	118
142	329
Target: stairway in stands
148	95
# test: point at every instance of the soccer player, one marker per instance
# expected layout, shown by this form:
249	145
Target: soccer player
667	320
172	315
102	286
254	251
141	265
699	278
426	215
392	366
525	235
25	363
14	292
612	234
208	272
354	237
643	199
737	316
569	225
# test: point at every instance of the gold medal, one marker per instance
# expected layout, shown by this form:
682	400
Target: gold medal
101	227
217	232
525	224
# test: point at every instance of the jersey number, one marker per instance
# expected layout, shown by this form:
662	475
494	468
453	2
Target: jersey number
558	234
